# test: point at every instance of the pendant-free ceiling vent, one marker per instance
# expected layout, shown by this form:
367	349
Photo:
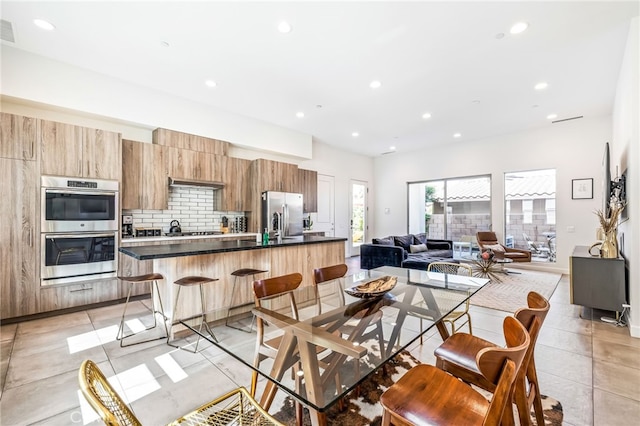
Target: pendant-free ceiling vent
190	182
6	31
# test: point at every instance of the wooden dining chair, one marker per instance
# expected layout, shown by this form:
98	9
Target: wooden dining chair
427	395
236	407
328	273
458	355
269	289
461	317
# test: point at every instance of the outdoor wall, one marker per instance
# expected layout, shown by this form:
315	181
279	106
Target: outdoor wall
554	146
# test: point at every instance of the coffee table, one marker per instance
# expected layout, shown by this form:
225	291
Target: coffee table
487	268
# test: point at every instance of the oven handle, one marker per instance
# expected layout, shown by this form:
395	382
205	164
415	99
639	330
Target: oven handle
79	191
81	235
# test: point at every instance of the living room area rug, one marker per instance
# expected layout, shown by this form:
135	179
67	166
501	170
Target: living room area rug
363	409
510	293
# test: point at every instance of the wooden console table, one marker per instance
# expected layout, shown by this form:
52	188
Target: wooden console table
597	282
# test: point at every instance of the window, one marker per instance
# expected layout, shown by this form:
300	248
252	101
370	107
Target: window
450	209
530	212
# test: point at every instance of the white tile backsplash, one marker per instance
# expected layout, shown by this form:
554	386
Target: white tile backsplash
194	208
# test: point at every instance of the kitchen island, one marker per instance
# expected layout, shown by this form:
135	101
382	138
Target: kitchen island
218	259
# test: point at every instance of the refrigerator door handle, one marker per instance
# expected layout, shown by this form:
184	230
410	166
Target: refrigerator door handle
285	220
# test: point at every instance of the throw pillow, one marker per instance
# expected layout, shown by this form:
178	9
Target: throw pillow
388	241
403	241
417	248
495	247
420	238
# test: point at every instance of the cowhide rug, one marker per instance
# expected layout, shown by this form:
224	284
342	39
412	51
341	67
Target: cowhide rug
362	408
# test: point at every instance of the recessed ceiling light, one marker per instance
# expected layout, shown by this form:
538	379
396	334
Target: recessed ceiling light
284	27
45	25
426	115
392	148
552	116
375	84
355	134
210	83
541	86
300	114
518	27
457	135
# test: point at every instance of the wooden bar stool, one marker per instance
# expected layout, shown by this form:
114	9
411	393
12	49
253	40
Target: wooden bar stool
152	280
242	273
189	282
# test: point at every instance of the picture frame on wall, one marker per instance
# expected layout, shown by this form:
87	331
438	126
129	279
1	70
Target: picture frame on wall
582	189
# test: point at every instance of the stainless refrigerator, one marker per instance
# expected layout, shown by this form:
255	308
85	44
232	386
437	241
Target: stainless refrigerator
282	211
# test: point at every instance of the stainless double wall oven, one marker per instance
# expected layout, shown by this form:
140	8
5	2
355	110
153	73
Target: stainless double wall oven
79	229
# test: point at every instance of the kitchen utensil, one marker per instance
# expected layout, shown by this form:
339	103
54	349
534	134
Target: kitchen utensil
175	227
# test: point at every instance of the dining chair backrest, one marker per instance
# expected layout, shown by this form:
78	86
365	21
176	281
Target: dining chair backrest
491	360
328	273
103	398
278	286
533	316
450	268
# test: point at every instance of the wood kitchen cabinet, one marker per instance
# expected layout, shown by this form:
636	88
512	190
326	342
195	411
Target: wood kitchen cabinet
69	150
18	137
309	187
235	194
56	297
19	238
267	175
145	173
190	142
188	164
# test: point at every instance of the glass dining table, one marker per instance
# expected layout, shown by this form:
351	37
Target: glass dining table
353	336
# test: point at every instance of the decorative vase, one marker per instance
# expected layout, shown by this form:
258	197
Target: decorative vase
609	248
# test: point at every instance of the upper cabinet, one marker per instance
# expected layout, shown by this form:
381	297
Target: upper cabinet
235	194
188	164
69	150
18	137
267	175
191	142
309	187
145	173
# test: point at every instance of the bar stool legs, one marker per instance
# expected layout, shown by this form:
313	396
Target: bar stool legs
152	279
187	282
242	273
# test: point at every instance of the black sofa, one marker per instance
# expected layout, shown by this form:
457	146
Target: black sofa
405	251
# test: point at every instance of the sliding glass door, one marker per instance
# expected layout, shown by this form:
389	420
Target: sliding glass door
453	209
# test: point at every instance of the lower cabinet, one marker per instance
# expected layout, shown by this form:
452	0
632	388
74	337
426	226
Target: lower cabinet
596	282
72	295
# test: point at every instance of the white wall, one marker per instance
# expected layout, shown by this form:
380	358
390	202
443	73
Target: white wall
37	79
573	148
343	166
626	156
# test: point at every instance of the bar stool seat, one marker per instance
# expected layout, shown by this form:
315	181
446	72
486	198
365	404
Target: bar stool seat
190	281
242	273
152	280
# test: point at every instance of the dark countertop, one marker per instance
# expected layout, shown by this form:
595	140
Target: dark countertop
194	249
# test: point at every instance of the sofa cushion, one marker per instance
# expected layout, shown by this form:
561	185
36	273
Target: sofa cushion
417	248
420	238
438	245
388	241
403	241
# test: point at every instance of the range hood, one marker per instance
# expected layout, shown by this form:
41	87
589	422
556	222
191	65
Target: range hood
192	182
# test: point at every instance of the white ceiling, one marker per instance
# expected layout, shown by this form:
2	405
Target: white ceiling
438	57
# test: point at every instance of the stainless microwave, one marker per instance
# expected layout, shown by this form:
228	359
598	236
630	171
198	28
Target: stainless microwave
78	205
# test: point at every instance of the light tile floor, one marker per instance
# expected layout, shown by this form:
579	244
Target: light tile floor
592	367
